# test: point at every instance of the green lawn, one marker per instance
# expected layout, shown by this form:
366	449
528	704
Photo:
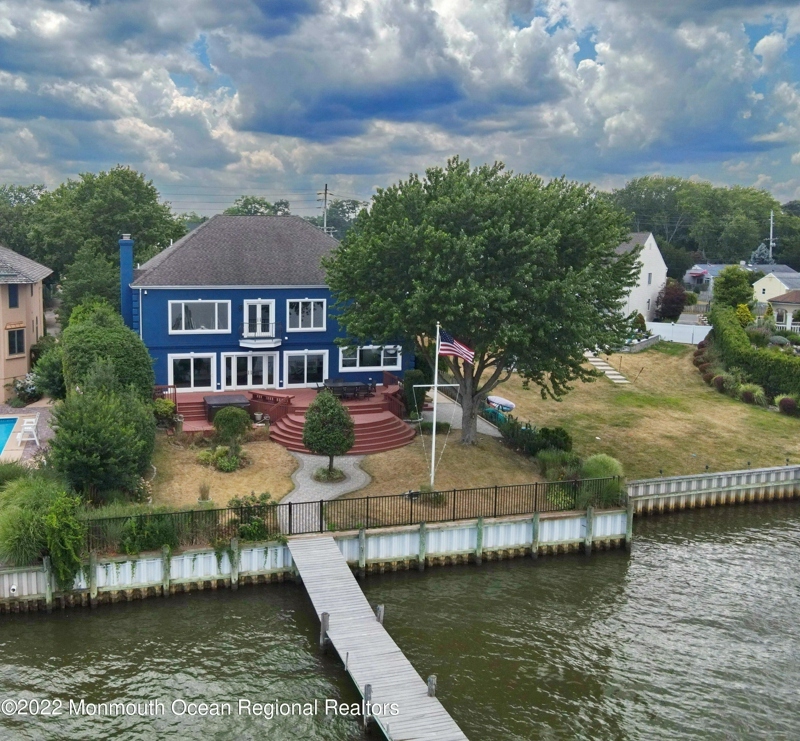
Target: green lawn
667	420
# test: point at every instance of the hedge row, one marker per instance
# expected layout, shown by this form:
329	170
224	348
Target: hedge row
777	373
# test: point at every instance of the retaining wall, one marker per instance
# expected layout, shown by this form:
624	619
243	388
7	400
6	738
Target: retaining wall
711	489
160	574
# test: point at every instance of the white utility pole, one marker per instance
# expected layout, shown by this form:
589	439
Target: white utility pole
771	239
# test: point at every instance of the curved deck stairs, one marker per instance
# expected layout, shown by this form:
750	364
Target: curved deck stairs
376	428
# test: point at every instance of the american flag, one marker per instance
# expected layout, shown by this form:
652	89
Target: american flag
449	345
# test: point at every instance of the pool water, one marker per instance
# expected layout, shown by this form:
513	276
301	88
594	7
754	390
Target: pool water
6	426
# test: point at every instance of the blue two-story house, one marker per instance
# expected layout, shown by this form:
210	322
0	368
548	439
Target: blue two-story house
241	303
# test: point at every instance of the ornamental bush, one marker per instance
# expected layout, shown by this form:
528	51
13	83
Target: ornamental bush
103	442
231	425
601	466
530	440
787	405
708	377
744	315
48	373
100	333
752	393
328	428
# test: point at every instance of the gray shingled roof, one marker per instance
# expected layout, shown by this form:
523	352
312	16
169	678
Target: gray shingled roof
14	268
790	280
242	251
637	240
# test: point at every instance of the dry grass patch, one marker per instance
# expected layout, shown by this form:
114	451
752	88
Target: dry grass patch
461	467
179	476
667	419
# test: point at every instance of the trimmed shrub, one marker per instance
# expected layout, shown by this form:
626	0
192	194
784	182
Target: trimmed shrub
48	373
778	340
329	428
776	372
708	377
787	405
702	345
231	424
718	382
100	333
557	465
698	360
531	440
752	393
148	533
744	315
103	442
12	471
704	367
601	466
639	323
414	398
164	411
699	351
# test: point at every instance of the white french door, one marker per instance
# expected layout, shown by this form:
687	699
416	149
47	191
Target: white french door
249	370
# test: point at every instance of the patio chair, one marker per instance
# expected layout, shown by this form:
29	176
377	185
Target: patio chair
28	433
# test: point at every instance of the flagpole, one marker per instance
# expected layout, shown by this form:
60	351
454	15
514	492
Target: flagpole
435	400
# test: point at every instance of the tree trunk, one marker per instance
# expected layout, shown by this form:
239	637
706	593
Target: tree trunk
330	465
469	420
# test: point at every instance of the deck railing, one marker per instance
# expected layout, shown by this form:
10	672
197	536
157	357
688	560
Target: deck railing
276	407
166	392
199	527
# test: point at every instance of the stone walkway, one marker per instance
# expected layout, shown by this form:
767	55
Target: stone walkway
601	365
308	490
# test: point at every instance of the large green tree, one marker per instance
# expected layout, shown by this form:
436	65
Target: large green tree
91	276
257	206
96	209
16	205
98	333
523	272
341	216
732	287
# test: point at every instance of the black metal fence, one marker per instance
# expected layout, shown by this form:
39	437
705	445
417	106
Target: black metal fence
262	522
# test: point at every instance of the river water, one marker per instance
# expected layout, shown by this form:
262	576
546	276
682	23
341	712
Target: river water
694	635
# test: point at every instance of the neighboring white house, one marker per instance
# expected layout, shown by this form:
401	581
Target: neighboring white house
786	308
652	274
775	284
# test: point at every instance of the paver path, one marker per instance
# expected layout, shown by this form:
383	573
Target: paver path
448	411
604	367
308	490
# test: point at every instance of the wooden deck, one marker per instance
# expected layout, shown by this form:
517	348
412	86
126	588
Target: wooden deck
368	652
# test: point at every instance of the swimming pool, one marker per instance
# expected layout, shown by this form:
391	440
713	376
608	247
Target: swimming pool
6	426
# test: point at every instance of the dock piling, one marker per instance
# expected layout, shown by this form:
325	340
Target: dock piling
432	685
379	612
323	630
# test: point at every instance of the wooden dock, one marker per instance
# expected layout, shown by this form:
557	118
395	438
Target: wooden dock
368	652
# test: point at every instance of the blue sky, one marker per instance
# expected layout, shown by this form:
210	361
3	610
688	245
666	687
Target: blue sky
278	97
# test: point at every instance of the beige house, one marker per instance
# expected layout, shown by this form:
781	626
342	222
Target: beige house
775	284
21	313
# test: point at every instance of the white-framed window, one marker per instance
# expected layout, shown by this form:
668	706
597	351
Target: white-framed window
192	371
304	368
249	370
763	291
369	357
306	315
199	317
648	304
649	278
259	318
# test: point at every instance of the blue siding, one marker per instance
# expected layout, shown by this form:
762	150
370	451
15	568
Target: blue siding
155	324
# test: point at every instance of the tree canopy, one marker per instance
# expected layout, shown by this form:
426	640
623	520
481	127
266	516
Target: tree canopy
257	206
341	216
523	272
94	210
96	333
671	300
732	287
697	220
328	428
91	276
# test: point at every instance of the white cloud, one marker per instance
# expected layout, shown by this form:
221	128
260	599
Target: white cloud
770	48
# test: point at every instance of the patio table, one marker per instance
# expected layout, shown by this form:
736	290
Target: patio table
343	388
